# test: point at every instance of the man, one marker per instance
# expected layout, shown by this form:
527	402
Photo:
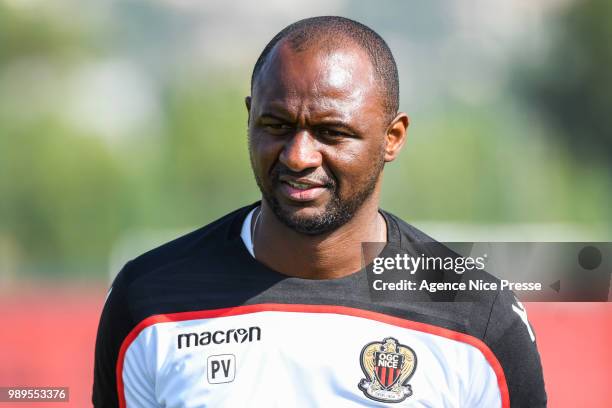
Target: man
270	305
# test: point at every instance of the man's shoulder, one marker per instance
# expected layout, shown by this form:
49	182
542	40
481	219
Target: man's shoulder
200	242
408	232
411	234
475	307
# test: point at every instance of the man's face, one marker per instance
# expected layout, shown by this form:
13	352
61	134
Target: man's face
316	135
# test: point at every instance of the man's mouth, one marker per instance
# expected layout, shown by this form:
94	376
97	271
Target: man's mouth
301	186
301	190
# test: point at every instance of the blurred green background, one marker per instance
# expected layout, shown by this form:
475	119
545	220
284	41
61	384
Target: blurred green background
122	123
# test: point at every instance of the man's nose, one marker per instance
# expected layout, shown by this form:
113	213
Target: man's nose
301	152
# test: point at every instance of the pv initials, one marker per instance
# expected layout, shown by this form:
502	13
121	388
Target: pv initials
221	368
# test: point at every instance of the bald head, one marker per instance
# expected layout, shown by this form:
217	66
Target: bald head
328	34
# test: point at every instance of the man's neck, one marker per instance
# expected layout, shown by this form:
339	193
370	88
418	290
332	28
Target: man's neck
326	256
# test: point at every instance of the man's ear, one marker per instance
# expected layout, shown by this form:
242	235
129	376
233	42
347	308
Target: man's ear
396	136
247	102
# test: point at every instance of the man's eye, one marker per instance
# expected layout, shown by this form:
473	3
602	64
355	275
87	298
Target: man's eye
330	133
277	126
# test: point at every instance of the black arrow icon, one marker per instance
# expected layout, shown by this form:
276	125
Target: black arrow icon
556	286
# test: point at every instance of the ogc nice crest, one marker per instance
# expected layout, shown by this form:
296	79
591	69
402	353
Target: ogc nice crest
388	365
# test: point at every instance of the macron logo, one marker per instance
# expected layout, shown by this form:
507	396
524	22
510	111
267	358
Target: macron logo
241	335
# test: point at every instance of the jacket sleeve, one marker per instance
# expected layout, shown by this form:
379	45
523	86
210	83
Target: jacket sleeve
512	339
115	324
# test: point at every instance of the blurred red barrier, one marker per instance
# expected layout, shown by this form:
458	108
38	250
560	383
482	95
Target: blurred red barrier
48	336
575	343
